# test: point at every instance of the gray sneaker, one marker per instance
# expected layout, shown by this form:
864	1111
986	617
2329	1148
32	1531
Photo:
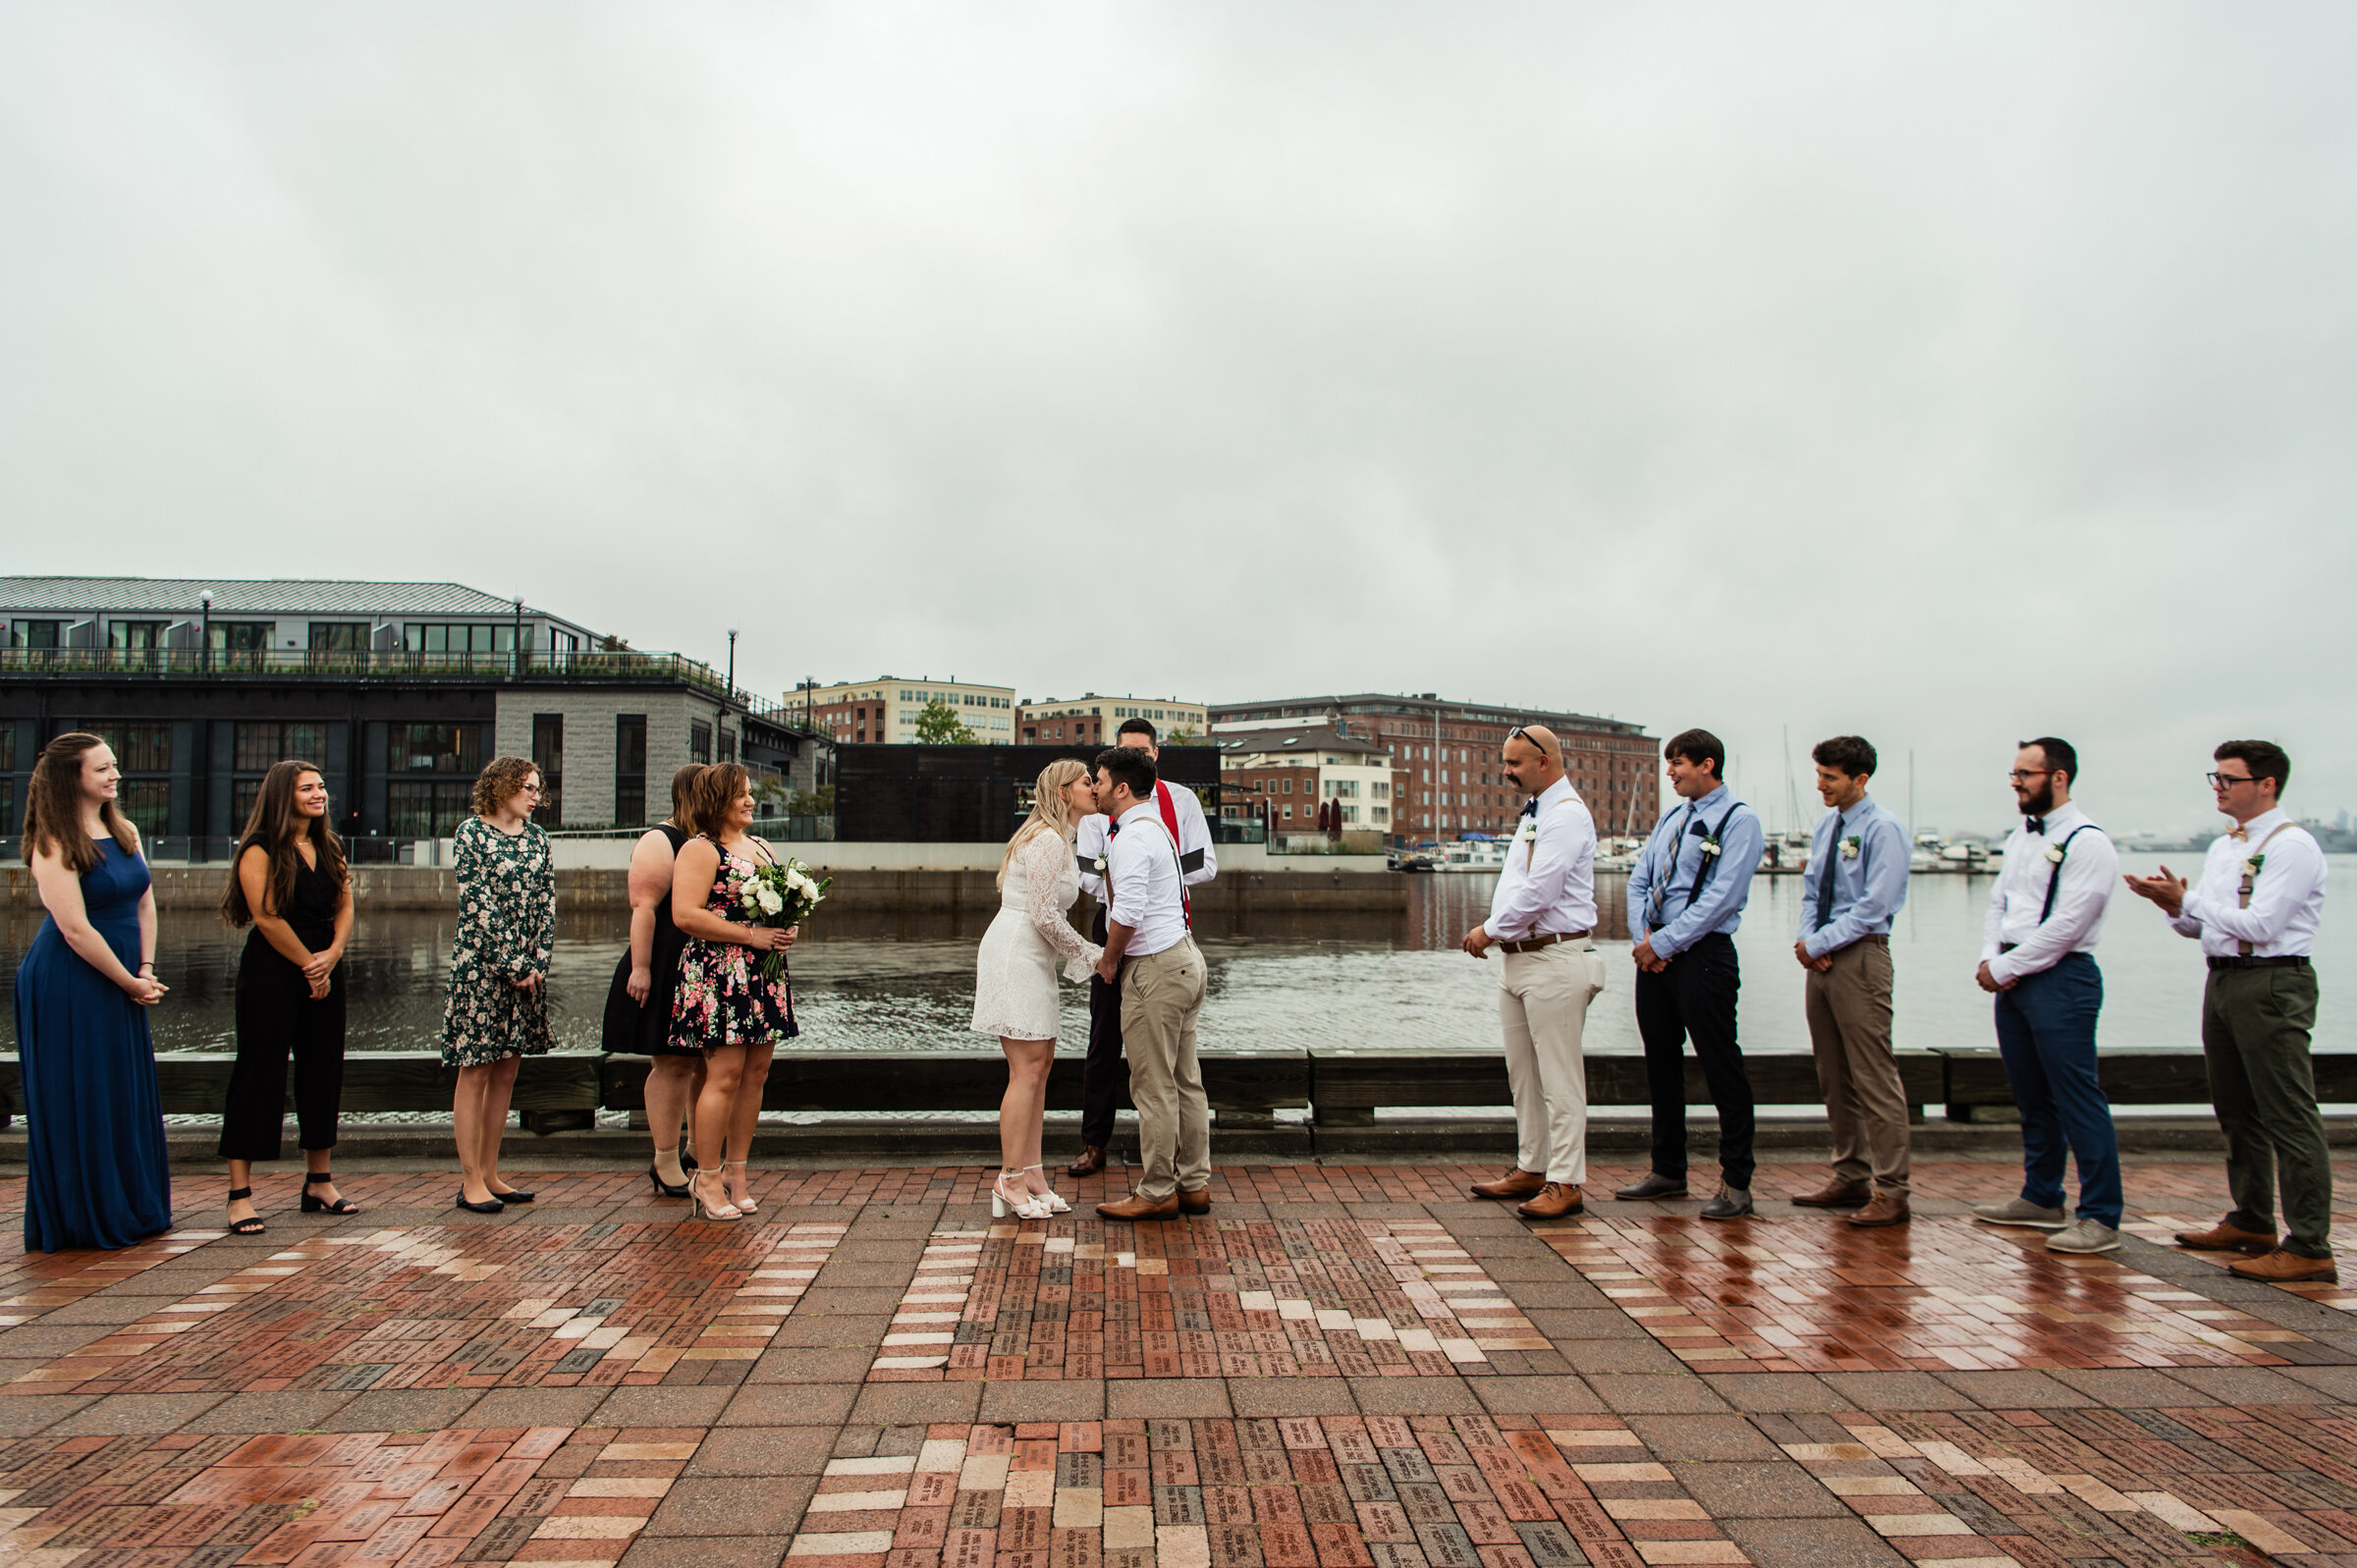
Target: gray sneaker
2088	1235
2020	1212
1732	1203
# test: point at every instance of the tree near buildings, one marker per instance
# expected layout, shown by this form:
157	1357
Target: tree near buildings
938	725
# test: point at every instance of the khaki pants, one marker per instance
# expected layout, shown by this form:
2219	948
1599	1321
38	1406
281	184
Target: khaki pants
1542	1008
1161	995
1849	1030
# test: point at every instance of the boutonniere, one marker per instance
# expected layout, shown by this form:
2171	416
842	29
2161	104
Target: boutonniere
1709	844
2252	863
1528	832
1099	864
2054	852
1851	845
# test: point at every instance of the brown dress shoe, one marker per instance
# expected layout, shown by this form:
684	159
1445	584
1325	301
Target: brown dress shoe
1837	1195
1197	1202
1091	1160
2223	1237
1556	1200
1886	1210
2281	1268
1516	1183
1139	1207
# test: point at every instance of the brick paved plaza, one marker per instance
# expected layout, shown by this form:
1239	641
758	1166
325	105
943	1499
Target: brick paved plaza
1337	1368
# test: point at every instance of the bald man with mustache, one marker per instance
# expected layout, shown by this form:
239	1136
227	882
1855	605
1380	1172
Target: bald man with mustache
1541	917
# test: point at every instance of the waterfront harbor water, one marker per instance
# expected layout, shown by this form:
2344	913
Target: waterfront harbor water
870	982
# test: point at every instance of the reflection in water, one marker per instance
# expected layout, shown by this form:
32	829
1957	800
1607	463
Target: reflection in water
1278	983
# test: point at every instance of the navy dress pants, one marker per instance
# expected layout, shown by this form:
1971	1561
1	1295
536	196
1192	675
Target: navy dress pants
1103	1078
2046	1033
1694	999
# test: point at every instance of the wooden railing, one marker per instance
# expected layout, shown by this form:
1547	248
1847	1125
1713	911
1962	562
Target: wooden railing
1340	1089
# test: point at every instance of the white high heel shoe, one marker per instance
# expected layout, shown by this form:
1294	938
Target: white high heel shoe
1023	1205
1056	1204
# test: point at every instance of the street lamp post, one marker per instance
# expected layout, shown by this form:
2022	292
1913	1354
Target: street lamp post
204	637
516	653
732	664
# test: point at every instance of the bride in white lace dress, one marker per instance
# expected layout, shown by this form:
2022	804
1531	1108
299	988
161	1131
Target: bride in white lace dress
1015	981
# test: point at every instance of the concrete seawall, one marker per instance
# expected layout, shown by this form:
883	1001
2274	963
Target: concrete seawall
197	888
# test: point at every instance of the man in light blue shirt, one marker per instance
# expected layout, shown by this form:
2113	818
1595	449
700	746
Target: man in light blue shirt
1856	881
1685	899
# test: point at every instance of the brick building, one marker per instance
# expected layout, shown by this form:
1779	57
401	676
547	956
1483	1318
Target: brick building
1446	779
1089	719
884	711
1296	770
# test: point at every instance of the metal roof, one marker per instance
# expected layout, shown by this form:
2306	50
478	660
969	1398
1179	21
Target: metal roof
1253	741
177	596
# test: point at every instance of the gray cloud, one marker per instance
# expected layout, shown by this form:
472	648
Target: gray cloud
1947	374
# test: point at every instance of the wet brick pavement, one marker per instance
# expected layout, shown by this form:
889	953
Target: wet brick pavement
1338	1368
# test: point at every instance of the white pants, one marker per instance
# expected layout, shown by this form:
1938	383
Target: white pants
1542	1008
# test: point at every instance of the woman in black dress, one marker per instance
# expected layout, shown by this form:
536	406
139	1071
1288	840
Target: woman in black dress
292	885
638	1004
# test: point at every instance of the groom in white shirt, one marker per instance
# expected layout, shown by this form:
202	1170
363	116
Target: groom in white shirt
1151	951
1101	1073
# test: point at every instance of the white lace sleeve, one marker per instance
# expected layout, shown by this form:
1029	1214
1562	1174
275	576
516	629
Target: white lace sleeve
1044	859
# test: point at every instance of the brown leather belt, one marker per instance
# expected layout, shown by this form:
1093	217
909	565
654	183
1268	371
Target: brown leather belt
1534	943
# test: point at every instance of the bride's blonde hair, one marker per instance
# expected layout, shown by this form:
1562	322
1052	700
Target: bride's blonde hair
1049	811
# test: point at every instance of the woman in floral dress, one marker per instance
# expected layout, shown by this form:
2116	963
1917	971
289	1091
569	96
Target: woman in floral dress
723	1005
497	1011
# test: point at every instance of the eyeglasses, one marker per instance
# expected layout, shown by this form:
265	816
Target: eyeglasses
529	789
2021	774
2222	780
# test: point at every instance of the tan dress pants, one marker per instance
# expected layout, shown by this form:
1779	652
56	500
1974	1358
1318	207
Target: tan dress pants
1849	1030
1161	995
1543	1001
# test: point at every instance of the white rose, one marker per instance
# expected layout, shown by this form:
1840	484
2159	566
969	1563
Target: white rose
771	904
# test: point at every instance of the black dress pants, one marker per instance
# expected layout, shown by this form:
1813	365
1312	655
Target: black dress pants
1695	999
1103	1077
276	1015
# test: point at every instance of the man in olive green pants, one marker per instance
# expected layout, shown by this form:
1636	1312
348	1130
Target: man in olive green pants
2256	911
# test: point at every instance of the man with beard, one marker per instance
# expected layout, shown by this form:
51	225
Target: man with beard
2037	961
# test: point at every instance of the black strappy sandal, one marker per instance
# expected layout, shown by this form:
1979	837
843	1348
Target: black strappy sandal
320	1206
252	1224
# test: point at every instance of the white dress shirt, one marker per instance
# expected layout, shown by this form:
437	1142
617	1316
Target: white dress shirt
1144	872
2287	895
2083	885
1548	886
1195	841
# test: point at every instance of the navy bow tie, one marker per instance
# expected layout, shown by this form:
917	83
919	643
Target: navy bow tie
2036	825
1530	807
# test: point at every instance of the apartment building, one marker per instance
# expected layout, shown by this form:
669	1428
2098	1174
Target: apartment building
1089	719
1294	770
884	711
1444	767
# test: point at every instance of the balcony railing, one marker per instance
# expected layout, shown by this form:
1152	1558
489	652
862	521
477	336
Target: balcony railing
279	663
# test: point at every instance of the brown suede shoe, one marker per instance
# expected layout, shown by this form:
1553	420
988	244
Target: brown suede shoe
1516	1183
1091	1160
2281	1268
1197	1202
1139	1207
1837	1195
2223	1238
1886	1210
1556	1200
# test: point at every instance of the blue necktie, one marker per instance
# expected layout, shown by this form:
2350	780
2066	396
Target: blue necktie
1825	878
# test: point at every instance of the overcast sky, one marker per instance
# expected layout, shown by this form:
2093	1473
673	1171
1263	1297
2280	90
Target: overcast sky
1945	373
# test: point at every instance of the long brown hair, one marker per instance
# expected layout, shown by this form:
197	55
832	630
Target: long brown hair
271	828
53	808
683	797
718	789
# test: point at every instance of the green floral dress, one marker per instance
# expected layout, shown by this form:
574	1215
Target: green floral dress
506	929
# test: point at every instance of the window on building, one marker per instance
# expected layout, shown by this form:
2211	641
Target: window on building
339	636
548	755
699	741
478	637
255	747
1288	813
37	633
143	751
426	808
136	636
435	748
728	744
243	636
1288	789
629	770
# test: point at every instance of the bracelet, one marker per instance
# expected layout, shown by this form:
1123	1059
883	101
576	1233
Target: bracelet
148	964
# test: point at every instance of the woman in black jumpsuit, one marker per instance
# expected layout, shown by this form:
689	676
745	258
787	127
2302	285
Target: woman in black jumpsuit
291	859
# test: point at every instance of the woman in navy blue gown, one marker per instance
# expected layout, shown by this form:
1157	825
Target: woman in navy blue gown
94	1153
